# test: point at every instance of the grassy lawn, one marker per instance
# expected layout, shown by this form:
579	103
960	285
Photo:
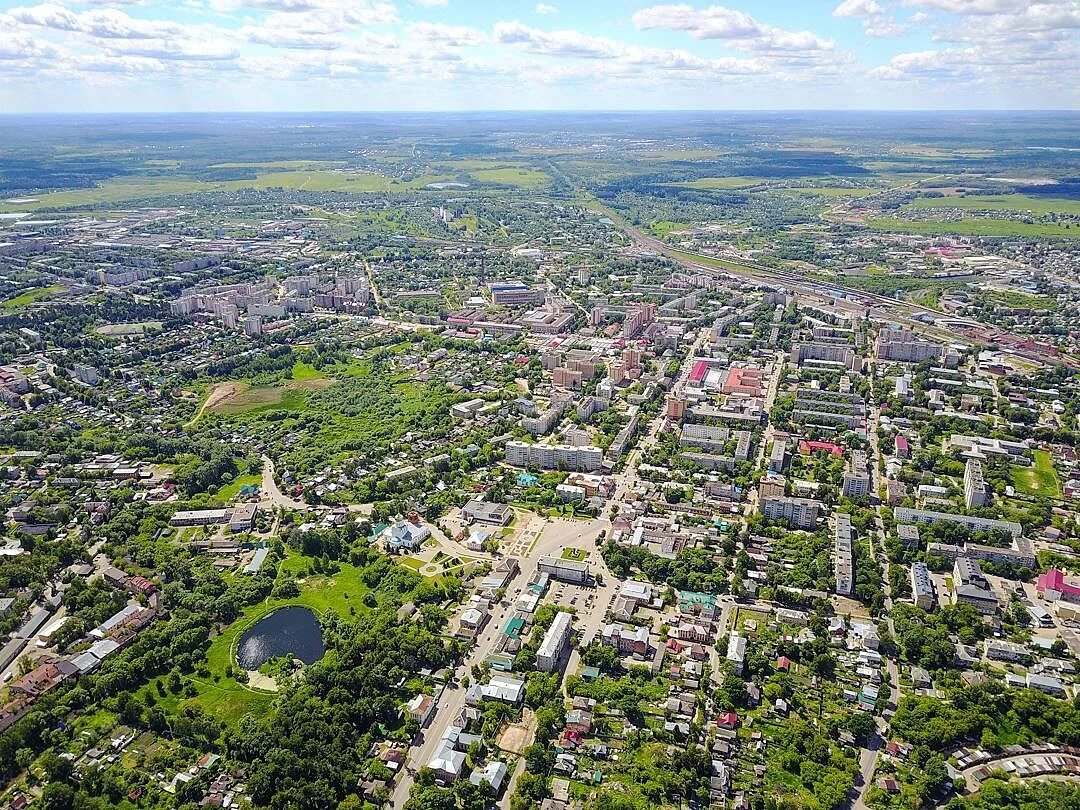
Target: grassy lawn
229	700
305	371
288	396
833	191
1040	478
30	296
230	491
575	554
113	329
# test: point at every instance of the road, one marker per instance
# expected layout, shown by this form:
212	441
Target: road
770	431
271	491
868	758
557	535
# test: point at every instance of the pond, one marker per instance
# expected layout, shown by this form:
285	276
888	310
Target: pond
288	631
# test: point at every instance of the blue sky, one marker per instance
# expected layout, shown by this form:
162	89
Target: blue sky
188	55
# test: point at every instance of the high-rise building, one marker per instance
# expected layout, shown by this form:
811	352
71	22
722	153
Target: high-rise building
843	557
976	492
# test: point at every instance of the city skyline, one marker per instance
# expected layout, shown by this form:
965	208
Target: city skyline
453	55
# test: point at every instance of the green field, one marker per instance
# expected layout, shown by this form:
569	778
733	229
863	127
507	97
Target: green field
245	398
512	176
974	227
138	188
1040	478
664	227
30	296
719	182
575	554
1003	202
281	165
833	191
231	490
306	371
122	329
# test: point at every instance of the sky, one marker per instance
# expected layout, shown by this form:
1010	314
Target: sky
331	55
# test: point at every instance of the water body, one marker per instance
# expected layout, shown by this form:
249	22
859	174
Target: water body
288	631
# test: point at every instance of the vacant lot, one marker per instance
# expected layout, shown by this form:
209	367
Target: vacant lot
240	397
1040	478
30	296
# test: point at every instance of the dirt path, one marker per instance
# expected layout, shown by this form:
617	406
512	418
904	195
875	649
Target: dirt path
218	394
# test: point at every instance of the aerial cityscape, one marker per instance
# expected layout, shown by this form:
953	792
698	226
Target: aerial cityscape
686	459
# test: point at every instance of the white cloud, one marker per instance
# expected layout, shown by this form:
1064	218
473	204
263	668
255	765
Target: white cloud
618	58
737	27
857	8
881	27
432	3
555	43
974	6
454	36
99	23
544	8
362	12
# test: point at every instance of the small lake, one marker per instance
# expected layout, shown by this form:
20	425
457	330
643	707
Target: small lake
287	631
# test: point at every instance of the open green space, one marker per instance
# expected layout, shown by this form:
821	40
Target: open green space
719	182
664	228
121	329
30	296
1040	478
138	188
305	371
834	191
280	165
970	226
223	696
518	177
1003	202
243	398
231	490
575	554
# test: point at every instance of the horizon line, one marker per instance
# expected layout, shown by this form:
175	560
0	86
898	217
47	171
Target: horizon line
558	111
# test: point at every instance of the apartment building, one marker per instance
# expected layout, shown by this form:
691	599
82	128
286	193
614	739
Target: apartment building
844	539
857	476
585	458
976	492
556	642
802	513
922	587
